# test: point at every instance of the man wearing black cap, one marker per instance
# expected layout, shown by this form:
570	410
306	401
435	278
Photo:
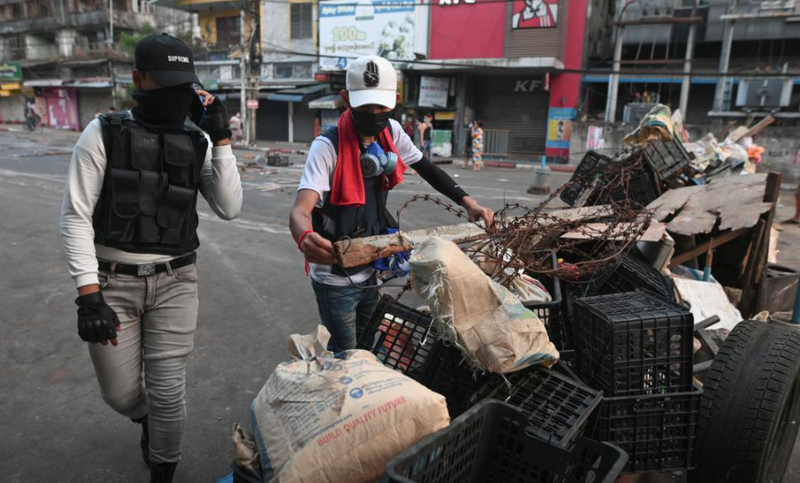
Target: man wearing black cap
129	224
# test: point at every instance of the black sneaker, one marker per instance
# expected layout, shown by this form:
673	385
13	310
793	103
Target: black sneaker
144	441
162	472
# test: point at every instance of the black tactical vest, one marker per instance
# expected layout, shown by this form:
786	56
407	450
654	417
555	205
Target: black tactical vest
149	196
337	222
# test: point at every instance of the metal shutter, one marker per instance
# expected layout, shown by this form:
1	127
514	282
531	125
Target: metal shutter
523	113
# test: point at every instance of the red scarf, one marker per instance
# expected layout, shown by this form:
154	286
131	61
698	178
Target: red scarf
348	184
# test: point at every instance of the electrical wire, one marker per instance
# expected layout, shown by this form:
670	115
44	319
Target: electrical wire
434	63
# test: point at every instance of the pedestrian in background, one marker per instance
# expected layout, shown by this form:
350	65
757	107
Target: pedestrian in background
425	130
129	227
409	126
477	144
236	127
468	145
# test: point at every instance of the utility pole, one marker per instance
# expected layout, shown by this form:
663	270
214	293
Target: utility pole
242	80
613	80
254	60
724	61
687	65
110	23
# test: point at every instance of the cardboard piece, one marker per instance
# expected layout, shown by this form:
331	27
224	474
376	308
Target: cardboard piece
485	320
707	299
326	419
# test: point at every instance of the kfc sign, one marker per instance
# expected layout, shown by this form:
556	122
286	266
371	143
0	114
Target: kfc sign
527	85
535	14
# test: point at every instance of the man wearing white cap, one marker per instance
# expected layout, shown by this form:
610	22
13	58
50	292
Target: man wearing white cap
343	193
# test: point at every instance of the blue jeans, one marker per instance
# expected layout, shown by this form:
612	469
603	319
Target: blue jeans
426	149
345	312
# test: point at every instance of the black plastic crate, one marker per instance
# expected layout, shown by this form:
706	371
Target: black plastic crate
633	274
634	343
641	190
400	337
589	170
558	329
666	158
450	375
556	406
490	444
657	431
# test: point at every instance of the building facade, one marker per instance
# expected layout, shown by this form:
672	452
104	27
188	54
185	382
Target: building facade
500	62
67	56
675	52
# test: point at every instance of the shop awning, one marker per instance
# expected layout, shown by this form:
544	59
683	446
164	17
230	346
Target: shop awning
91	83
301	94
333	101
43	83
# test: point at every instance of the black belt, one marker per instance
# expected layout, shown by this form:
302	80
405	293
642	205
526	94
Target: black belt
146	269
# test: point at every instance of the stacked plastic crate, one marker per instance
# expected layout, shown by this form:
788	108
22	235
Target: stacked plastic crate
637	348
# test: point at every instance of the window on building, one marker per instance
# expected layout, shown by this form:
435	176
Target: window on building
283	71
228	31
39	9
301	20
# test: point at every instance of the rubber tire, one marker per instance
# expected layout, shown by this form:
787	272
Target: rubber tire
751	388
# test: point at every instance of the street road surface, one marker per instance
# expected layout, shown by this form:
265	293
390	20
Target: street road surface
253	295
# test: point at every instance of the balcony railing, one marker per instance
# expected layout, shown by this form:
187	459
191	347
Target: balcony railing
495	141
53	52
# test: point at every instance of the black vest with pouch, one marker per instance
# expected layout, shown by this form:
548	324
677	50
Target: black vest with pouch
149	197
339	222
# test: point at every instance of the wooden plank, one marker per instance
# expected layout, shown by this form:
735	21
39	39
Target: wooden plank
753	291
759	127
735	200
737	134
704	247
362	251
671	202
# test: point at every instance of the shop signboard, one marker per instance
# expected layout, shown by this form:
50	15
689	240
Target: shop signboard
252	103
535	14
10	71
433	91
559	127
348	29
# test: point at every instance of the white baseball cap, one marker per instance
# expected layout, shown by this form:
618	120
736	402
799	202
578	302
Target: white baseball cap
372	80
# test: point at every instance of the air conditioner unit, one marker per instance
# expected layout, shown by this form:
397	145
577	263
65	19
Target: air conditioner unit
767	93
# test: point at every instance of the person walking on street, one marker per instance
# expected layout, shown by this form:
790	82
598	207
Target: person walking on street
129	227
236	127
477	144
344	190
409	126
468	146
425	131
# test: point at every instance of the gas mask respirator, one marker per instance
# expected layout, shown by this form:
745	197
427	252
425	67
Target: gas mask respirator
375	162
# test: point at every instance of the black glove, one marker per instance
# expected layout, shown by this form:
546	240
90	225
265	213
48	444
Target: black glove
215	121
97	322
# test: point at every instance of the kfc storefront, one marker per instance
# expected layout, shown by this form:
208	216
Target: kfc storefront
517	89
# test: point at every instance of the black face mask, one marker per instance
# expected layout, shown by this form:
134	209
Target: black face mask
163	109
370	124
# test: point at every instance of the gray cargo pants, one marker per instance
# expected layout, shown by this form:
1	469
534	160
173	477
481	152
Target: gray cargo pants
146	373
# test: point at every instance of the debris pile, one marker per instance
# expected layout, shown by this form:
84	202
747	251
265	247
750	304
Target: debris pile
571	323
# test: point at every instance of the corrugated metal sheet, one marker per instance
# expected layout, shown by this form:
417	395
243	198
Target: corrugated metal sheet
523	113
541	42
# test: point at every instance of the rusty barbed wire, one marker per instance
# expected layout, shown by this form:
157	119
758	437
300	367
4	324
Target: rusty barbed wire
522	239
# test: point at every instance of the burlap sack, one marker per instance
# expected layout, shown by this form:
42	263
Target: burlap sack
484	319
321	419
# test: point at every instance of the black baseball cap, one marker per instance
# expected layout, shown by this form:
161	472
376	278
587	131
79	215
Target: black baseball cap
167	58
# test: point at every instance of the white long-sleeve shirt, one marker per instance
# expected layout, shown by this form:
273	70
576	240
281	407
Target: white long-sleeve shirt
220	186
